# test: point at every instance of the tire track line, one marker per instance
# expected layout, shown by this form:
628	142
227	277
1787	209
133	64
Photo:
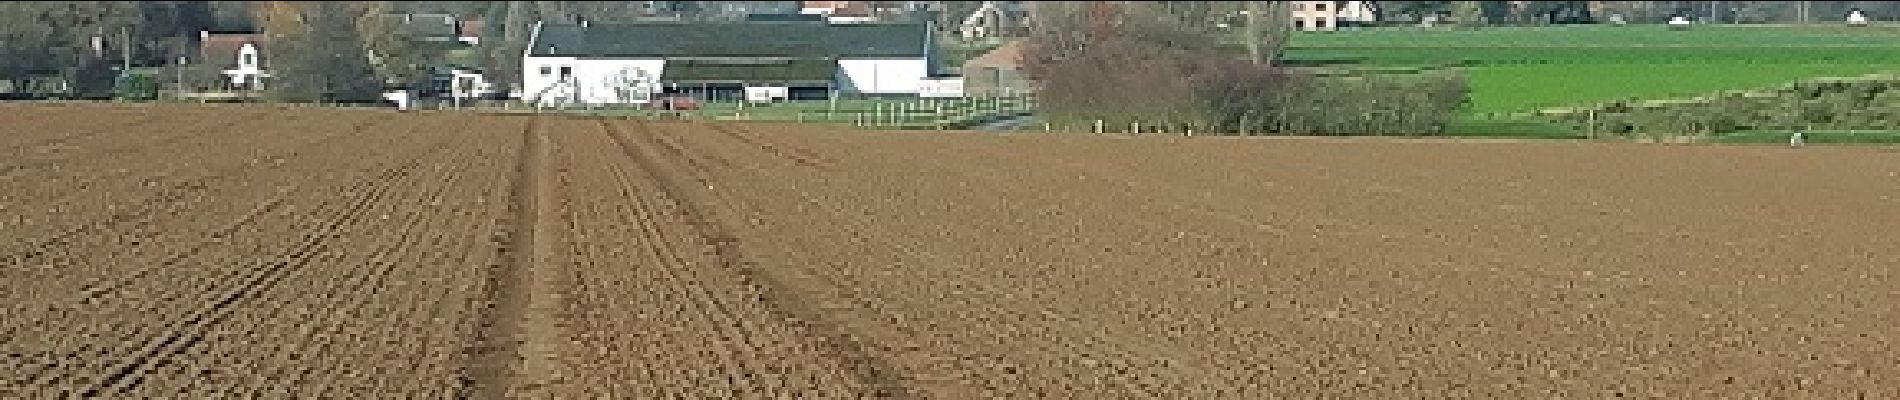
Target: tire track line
675	266
184	336
849	288
170	200
879	375
796	155
513	355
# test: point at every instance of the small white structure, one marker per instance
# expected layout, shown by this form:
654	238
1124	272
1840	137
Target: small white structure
1679	22
402	98
1857	18
985	22
248	70
941	88
462	84
767	94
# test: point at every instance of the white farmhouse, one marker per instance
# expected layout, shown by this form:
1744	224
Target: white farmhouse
631	63
238	56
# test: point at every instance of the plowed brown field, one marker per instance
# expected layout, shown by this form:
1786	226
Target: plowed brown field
194	252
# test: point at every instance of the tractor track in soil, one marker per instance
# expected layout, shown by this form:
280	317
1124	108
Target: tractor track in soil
883	378
500	366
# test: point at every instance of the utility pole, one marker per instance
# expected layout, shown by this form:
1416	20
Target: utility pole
125	51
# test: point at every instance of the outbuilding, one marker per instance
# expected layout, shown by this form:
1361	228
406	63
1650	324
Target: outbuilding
631	63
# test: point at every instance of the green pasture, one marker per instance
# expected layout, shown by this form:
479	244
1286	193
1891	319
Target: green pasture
1522	69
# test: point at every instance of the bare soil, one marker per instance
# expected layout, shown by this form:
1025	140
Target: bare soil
190	252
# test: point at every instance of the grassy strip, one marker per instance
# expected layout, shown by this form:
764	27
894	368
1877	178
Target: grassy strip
1815	137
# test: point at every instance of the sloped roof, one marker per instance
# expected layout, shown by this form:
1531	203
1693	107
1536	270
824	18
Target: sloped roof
473	28
732	39
427	25
222	48
1007	56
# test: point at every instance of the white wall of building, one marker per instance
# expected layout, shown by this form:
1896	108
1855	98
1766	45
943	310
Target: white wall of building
1356	11
882	76
1313	16
594	81
248	70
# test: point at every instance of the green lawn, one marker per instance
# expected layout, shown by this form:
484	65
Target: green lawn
1523	69
1507	89
1610	36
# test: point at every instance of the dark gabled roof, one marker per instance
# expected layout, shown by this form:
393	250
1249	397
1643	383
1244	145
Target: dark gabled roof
731	39
222	48
426	25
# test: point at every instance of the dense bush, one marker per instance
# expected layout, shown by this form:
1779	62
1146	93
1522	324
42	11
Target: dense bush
1124	86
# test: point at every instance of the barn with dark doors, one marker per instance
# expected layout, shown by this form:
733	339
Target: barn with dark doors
629	63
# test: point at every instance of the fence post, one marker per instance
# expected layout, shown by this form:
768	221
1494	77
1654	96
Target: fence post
1593	124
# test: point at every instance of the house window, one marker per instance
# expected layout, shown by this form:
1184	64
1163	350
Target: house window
1321	23
1319	6
1299	24
546	70
1298	6
567	71
249	59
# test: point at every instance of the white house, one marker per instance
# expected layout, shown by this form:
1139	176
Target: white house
1313	16
239	56
1356	13
985	22
631	63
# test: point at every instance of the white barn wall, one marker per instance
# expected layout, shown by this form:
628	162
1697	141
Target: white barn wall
592	76
882	76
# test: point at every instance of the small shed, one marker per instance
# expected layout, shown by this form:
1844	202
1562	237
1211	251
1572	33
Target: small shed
998	72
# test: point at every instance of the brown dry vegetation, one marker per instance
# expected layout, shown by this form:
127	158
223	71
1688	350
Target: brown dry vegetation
255	252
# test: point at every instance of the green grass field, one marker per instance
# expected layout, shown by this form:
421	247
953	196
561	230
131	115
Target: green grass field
1514	70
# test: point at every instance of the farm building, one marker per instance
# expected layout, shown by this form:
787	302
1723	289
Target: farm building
238	56
631	62
998	72
1325	16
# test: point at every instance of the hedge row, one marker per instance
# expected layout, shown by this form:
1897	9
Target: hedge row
1864	103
